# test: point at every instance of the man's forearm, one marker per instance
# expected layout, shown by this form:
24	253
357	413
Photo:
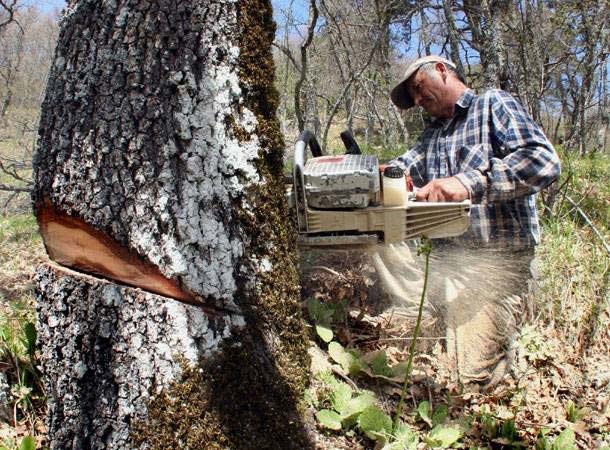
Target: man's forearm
523	172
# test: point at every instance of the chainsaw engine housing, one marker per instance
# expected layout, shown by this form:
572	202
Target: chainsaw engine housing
342	181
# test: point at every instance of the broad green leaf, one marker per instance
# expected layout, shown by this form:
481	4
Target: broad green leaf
380	365
439	415
325	333
356	406
29	330
374	423
319	312
348	359
406	439
329	419
27	443
441	436
340	396
565	440
423	409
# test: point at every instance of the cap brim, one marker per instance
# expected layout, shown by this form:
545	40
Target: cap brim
400	96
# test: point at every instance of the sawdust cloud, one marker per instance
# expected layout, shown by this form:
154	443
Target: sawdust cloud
475	293
476	275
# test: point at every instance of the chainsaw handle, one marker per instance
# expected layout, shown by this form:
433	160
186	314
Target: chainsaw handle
309	139
351	146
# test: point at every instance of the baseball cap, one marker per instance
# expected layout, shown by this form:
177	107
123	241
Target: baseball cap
400	95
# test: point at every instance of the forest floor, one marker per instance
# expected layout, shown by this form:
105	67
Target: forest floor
556	395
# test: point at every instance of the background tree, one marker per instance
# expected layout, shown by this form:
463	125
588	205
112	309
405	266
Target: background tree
159	154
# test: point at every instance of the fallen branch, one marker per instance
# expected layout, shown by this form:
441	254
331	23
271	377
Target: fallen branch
588	221
8	188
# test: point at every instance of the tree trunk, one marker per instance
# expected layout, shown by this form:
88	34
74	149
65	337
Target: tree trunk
158	179
484	19
454	37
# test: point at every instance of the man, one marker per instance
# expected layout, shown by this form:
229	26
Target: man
485	148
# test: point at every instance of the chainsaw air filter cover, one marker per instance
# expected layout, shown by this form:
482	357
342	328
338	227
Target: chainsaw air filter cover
342	181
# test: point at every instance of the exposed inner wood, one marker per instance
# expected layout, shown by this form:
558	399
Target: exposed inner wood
73	243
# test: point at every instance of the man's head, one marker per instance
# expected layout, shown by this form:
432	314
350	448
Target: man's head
432	83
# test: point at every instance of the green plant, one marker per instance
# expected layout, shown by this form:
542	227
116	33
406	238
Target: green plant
347	408
564	441
18	355
424	248
322	315
27	443
573	413
432	417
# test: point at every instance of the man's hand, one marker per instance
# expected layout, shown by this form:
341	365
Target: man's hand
443	190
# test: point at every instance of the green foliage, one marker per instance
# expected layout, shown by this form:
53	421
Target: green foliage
18	229
404	439
27	443
329	419
574	265
442	436
533	345
349	359
18	356
573	413
500	427
432	417
375	423
379	365
323	315
346	408
566	440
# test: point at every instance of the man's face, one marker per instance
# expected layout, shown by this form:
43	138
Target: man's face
428	90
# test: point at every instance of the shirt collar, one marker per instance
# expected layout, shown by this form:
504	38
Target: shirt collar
465	100
461	106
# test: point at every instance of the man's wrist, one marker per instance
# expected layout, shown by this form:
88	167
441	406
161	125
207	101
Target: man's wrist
475	183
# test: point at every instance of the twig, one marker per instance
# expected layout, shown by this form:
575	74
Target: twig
6	187
327	269
345	378
428	338
588	221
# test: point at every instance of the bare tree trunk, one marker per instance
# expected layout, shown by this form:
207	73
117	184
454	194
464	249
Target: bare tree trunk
158	177
313	20
484	18
453	36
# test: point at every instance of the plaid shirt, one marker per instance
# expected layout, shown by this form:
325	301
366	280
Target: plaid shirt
502	157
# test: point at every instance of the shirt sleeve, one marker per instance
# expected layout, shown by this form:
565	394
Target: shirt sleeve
413	162
522	160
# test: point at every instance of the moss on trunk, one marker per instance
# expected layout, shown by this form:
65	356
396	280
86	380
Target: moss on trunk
249	395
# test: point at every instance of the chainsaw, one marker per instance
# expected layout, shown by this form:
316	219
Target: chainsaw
344	201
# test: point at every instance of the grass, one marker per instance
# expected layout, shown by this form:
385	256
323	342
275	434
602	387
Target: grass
21	389
574	263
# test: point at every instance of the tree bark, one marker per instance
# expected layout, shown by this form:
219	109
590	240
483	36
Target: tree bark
158	171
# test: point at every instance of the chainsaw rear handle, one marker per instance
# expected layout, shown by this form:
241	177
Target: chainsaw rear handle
306	139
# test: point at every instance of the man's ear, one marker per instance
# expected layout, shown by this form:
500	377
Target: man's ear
440	67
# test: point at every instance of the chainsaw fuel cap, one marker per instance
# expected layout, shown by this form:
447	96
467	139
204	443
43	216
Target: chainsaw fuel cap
393	172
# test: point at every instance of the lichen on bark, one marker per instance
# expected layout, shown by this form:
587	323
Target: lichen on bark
159	130
249	395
